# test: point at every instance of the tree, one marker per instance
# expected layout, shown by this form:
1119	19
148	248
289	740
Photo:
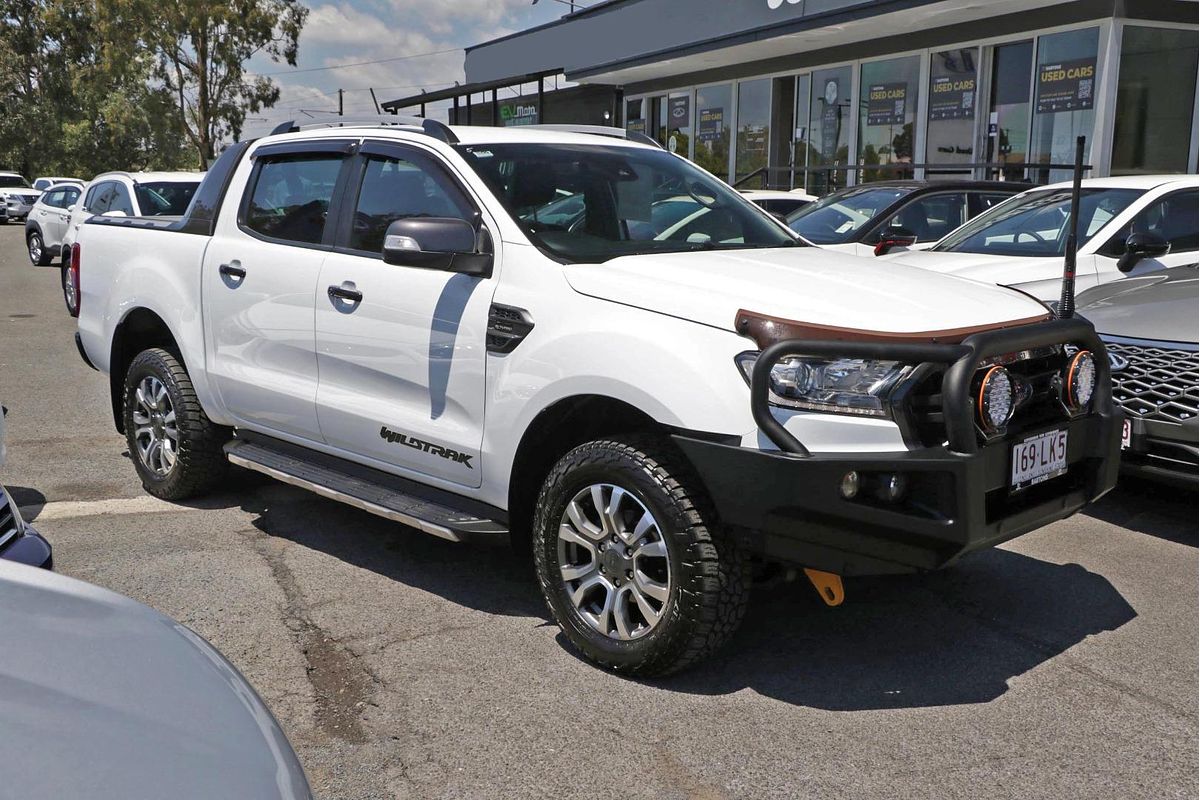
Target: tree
68	109
201	48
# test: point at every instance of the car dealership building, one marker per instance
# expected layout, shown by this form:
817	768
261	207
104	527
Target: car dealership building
827	93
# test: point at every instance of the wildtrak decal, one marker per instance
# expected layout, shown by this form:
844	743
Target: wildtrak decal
425	447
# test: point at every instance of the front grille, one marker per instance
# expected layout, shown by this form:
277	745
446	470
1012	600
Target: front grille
8	520
1156	383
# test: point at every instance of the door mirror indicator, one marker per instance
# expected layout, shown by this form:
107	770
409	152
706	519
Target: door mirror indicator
442	243
894	236
1142	245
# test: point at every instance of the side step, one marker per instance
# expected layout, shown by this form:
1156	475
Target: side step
388	496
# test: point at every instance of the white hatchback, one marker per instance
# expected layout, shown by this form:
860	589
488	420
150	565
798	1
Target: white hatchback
46	225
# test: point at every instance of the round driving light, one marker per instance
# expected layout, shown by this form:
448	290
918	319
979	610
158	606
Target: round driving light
1081	380
850	482
997	398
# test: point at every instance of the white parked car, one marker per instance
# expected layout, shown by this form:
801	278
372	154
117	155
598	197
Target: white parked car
16	197
1127	225
778	202
42	184
126	194
381	314
46	225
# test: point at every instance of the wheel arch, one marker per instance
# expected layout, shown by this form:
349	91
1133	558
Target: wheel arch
140	329
554	431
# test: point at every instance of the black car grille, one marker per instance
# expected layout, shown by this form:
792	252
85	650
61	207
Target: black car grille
1035	374
1155	383
8	520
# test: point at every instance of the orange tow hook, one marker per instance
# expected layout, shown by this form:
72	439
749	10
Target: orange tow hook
828	585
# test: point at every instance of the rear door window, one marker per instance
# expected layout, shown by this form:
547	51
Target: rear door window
54	199
290	196
100	198
121	201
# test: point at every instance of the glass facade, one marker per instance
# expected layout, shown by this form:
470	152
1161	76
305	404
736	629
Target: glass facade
1008	118
714	115
1156	87
1007	109
887	115
753	128
953	101
830	115
1064	97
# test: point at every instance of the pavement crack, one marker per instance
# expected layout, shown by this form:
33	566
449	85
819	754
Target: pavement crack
341	682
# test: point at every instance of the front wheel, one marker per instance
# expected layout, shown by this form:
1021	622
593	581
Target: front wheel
631	559
38	254
176	449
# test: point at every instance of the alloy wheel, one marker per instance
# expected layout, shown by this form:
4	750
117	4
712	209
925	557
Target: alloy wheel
614	563
35	249
155	430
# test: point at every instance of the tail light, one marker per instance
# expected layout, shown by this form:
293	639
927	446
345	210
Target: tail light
73	269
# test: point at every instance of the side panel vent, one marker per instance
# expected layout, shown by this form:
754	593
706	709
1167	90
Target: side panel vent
507	327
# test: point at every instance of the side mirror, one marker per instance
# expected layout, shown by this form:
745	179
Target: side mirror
894	236
70	208
114	213
1142	245
441	243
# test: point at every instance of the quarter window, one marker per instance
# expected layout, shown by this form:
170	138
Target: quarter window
291	196
397	188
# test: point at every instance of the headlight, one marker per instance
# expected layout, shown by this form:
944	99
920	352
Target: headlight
997	399
1081	380
837	385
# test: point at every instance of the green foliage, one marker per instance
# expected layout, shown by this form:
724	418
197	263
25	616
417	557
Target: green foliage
93	85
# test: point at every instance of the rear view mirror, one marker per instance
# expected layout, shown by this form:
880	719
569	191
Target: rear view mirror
441	243
894	236
1142	245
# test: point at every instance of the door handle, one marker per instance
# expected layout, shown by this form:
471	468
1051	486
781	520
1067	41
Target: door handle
232	270
345	292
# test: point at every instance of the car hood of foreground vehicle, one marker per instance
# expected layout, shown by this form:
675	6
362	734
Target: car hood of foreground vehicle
1159	305
106	698
804	284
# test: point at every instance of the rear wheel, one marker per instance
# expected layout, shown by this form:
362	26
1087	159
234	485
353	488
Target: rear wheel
176	449
68	290
631	560
38	254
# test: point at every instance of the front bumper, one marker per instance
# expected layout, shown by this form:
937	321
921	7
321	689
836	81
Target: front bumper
1163	451
786	505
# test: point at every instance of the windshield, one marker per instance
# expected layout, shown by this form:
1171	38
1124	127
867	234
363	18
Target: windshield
13	182
592	203
1036	224
835	218
163	199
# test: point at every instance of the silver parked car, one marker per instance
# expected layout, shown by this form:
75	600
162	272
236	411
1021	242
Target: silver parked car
107	699
1149	323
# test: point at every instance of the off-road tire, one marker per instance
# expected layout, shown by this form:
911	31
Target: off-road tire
711	577
200	461
44	258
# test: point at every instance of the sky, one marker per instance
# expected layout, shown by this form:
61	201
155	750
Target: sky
403	31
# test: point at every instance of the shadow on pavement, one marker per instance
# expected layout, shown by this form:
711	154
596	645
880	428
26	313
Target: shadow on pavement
1151	508
947	638
30	501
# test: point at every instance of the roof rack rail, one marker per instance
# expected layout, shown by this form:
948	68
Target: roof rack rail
431	127
601	130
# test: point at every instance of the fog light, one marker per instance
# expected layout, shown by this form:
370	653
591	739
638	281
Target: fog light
997	399
893	487
850	484
1081	380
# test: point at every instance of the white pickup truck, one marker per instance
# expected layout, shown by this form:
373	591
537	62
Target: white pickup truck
404	318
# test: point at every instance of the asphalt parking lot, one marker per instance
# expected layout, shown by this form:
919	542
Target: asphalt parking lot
1063	664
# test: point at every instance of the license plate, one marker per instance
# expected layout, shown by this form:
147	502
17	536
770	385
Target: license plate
1126	434
1039	458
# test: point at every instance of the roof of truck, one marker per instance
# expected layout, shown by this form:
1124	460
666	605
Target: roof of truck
148	177
468	134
